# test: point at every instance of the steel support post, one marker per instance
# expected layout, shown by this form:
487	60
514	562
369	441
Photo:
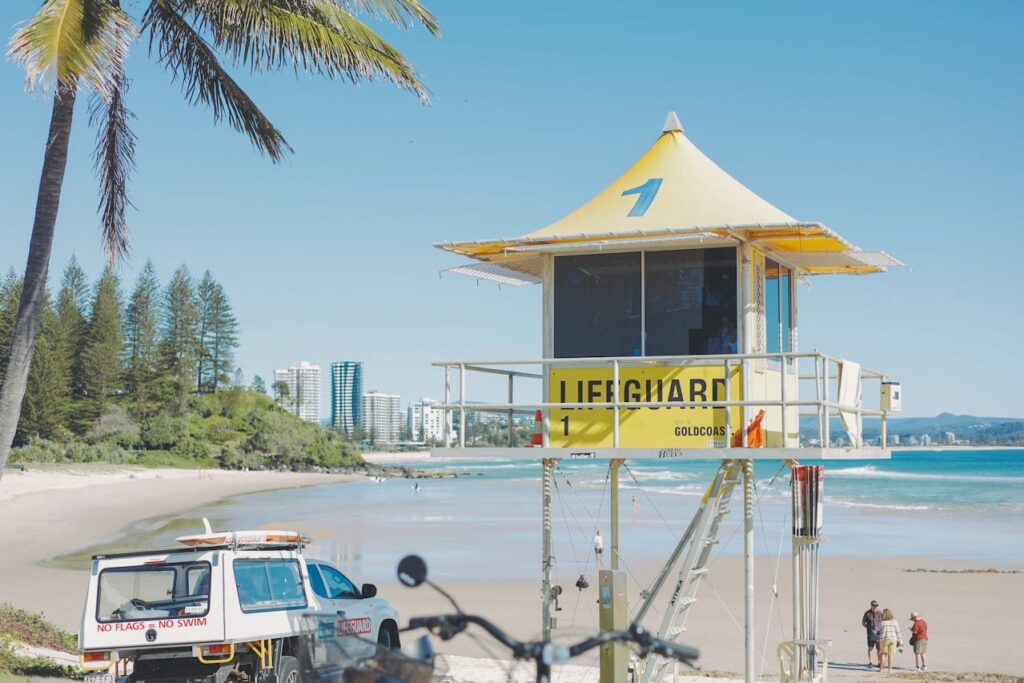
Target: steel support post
511	400
748	571
447	413
614	493
547	561
462	405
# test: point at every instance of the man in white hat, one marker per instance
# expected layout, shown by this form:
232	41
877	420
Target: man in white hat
919	639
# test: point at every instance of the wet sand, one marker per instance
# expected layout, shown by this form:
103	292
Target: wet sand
972	617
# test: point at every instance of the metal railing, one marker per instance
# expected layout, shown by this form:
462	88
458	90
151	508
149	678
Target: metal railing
824	376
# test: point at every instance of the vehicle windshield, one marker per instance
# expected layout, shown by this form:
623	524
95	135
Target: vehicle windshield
152	591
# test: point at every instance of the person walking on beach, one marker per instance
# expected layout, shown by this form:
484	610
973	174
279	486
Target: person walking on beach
872	623
919	641
890	639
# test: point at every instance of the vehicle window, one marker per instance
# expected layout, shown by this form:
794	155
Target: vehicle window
152	591
316	582
269	585
198	580
338	585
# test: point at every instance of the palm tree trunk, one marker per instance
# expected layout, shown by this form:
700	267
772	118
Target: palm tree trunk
47	201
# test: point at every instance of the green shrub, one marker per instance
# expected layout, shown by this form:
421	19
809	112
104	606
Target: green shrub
236	460
163	431
115	426
23	665
46	451
33	629
192	448
173	459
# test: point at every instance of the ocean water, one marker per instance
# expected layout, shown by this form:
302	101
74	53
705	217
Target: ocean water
955	504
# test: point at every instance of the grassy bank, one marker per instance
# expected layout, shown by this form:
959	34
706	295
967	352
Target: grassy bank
18	628
233	429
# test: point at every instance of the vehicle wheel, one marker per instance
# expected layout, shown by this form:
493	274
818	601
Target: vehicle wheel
387	637
289	672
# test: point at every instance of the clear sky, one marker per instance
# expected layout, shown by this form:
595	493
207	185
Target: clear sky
896	124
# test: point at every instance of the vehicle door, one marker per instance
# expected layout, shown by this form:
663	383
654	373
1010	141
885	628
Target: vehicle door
355	629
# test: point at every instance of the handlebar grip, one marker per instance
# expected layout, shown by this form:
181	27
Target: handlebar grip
423	622
683	653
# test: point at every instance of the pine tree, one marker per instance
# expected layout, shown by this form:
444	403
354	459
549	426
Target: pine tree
104	348
205	293
218	336
72	315
258	384
142	353
44	410
180	339
10	294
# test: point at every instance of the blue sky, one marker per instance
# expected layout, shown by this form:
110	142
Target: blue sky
897	124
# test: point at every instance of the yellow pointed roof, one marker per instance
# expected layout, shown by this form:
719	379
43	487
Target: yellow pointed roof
675	192
691	191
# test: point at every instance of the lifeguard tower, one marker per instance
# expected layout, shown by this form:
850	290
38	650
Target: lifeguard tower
670	331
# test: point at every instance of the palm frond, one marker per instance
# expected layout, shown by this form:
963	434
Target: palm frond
189	57
68	40
114	161
403	13
316	36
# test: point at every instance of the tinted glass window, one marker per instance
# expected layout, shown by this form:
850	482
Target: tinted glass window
597	305
691	302
316	582
785	311
269	585
153	591
338	585
777	308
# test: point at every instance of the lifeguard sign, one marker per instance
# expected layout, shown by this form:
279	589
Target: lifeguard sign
670	312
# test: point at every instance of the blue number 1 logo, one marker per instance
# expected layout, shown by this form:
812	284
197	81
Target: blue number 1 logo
646	192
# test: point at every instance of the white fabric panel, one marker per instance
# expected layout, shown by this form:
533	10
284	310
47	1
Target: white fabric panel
849	395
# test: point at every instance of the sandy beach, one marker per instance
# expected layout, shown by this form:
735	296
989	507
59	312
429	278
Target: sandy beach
52	511
971	616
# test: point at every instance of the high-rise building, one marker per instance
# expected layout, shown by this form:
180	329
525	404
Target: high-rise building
346	395
950	438
303	396
426	423
926	440
382	417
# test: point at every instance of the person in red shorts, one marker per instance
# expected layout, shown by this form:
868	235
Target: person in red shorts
919	639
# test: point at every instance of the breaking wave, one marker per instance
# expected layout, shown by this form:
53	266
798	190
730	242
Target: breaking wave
872	472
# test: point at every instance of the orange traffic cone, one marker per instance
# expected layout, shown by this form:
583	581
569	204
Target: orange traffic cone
755	435
537	440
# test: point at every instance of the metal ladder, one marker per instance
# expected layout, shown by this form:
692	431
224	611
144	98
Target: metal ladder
694	547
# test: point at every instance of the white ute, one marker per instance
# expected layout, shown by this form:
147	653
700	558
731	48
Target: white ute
236	606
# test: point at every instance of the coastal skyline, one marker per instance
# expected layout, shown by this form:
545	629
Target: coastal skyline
871	155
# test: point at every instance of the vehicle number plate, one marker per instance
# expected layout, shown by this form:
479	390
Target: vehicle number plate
99	677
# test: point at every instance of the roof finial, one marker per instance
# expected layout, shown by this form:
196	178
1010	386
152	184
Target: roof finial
672	124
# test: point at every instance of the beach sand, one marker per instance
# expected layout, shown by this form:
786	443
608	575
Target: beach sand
47	512
972	617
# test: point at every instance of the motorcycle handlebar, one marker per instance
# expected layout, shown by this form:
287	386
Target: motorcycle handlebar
448	626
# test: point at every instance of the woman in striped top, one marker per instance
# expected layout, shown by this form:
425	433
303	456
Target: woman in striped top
889	639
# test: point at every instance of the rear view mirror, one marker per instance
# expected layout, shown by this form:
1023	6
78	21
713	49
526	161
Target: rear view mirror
368	591
412	571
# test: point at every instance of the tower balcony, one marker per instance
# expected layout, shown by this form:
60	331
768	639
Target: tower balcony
806	405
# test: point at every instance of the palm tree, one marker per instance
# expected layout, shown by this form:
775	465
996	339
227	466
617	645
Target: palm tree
72	45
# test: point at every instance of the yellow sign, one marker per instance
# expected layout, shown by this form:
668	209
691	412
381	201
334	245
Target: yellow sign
643	427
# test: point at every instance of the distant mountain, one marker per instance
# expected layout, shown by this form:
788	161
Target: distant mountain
979	430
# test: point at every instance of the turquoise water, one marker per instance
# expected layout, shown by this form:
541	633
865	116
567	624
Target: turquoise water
950	504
